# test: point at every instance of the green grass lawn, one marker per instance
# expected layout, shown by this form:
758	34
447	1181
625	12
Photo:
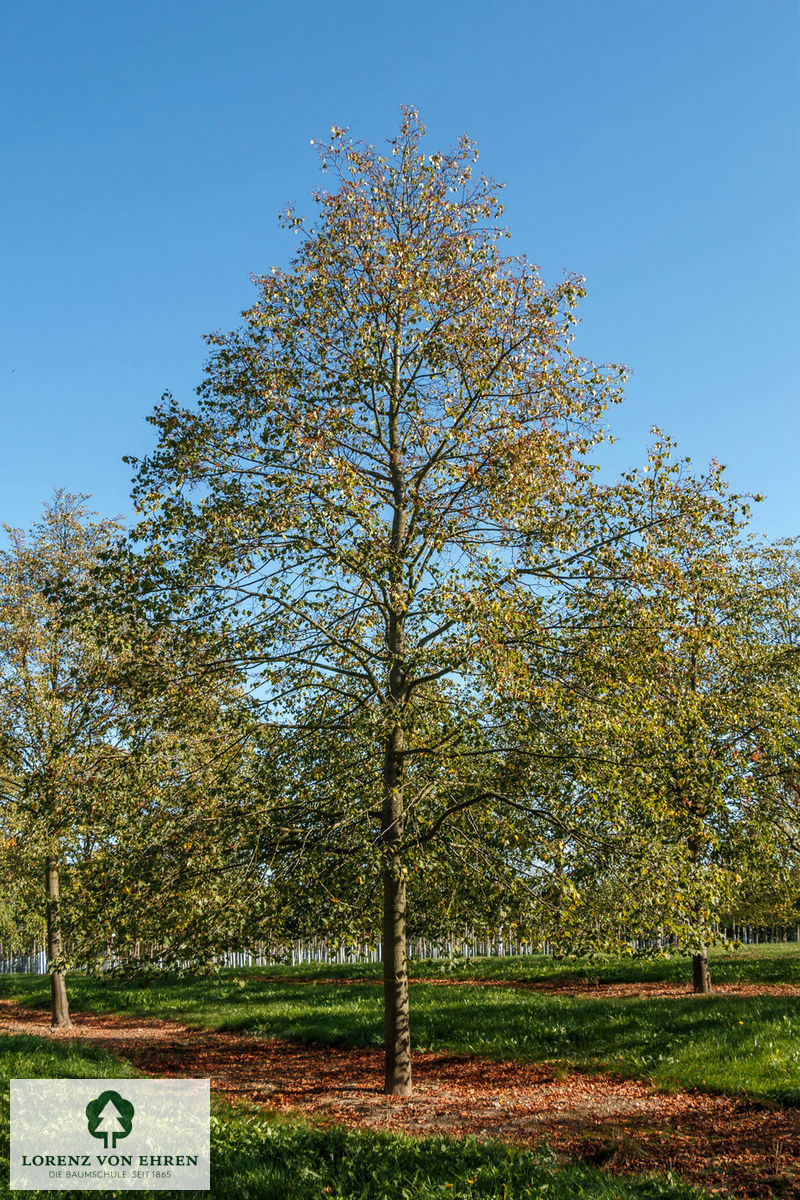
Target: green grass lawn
739	1045
258	1157
777	962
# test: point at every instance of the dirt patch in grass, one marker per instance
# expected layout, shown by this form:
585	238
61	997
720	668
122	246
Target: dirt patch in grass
728	1145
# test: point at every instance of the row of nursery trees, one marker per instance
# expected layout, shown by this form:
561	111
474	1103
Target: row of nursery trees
383	651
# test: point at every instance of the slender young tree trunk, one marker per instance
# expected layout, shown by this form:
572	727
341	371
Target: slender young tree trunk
395	966
701	977
59	1006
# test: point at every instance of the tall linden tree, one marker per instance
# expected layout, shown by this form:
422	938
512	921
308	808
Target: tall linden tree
388	452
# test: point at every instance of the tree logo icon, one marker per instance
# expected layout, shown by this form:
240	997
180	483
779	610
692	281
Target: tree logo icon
109	1116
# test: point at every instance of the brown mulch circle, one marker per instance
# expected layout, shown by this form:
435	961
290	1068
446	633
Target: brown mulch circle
731	1146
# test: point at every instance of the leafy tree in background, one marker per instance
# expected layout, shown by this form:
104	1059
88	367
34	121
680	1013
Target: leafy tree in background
763	845
58	719
106	751
683	706
21	917
386	457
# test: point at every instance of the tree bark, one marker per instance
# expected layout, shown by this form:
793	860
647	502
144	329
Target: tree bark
395	962
701	977
397	1033
59	1005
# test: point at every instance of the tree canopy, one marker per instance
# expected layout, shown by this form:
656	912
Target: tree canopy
387	473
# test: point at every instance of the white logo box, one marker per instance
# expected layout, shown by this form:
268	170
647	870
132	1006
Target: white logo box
110	1134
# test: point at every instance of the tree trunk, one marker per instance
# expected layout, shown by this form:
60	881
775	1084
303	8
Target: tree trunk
395	966
59	1006
701	977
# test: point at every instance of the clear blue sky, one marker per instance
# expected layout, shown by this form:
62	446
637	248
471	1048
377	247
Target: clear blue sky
147	149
